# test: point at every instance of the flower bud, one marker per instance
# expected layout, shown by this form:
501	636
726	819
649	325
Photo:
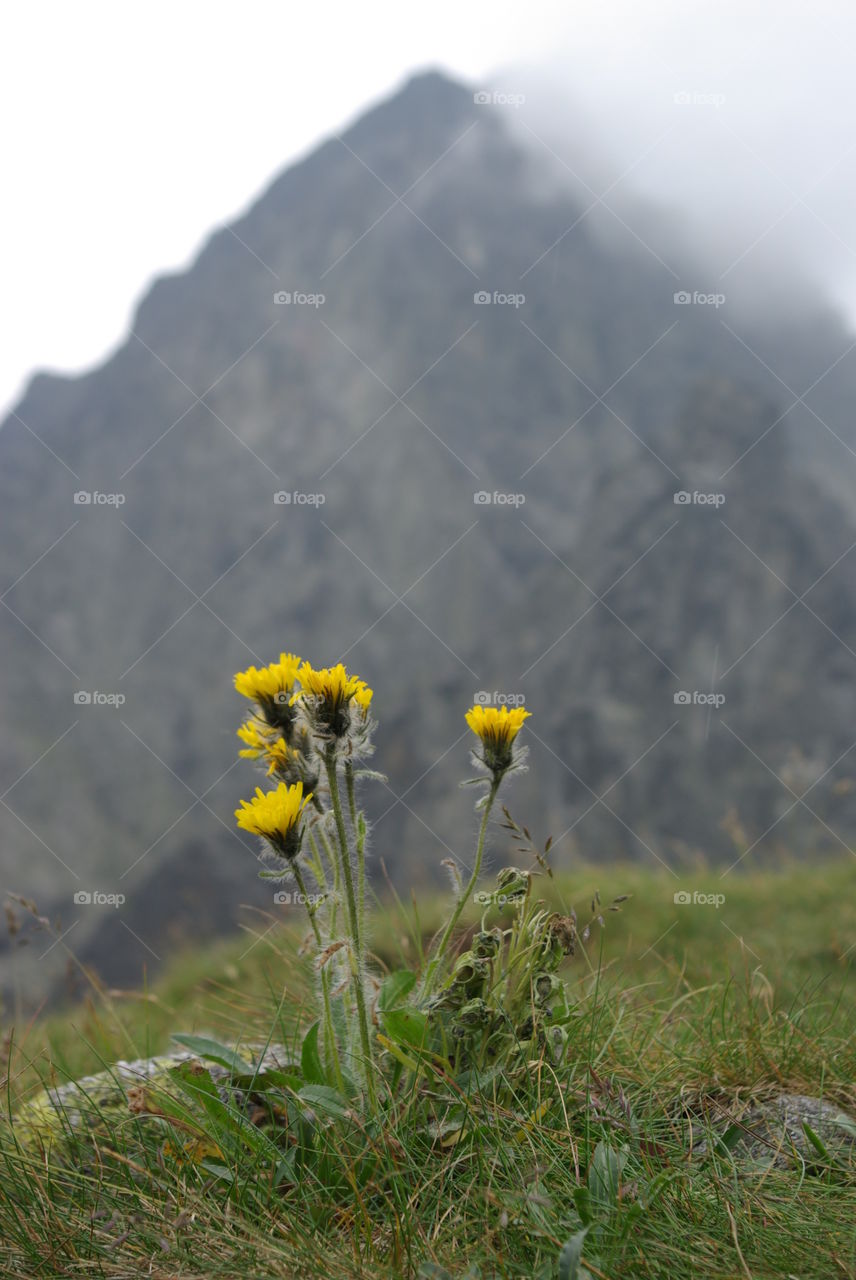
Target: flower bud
474	1016
486	943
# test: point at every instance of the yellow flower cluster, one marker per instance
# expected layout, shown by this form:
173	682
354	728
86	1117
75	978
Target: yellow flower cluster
295	703
276	688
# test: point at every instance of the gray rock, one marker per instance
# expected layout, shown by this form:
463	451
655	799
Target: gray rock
89	1102
772	1132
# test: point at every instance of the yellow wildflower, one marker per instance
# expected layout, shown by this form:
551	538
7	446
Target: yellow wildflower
257	737
281	756
497	727
333	690
275	815
271	688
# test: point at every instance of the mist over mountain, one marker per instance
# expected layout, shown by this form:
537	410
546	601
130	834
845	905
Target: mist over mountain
580	393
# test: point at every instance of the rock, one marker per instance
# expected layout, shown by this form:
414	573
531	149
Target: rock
772	1132
90	1102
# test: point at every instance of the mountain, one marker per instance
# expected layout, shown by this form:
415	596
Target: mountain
331	345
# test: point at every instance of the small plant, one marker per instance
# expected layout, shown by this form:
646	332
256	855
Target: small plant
490	1008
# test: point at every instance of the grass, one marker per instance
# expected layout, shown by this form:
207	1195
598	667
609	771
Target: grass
680	1010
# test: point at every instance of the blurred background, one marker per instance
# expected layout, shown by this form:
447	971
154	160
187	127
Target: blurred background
506	354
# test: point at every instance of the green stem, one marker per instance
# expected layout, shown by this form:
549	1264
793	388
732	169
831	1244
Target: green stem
329	1033
361	844
334	864
316	864
356	944
440	950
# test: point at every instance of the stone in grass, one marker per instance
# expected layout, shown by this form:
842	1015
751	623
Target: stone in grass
773	1133
90	1103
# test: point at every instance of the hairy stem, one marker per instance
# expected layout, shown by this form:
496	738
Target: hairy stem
440	950
353	920
361	844
331	1046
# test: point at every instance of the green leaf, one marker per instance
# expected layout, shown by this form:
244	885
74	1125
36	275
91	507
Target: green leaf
815	1141
407	1026
605	1175
727	1141
395	989
219	1170
582	1201
320	1097
204	1047
286	1170
570	1256
400	1056
310	1059
197	1084
477	1081
264	1081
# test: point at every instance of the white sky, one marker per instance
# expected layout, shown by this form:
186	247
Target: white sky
131	129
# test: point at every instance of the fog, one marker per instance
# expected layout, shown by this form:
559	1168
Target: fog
131	135
734	121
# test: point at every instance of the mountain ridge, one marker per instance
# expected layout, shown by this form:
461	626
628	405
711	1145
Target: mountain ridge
397	399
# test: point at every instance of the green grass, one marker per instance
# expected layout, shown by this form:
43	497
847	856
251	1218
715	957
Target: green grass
680	1010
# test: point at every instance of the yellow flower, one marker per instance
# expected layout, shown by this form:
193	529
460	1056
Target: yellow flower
271	688
363	698
257	737
497	727
333	690
275	815
289	762
281	756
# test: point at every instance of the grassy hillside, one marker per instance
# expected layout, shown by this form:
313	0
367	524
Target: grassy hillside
794	927
684	1013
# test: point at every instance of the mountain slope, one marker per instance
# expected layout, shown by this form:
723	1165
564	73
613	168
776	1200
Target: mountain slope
397	399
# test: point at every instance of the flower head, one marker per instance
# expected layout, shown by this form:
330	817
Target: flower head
257	736
281	757
275	815
497	727
293	763
331	691
271	687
